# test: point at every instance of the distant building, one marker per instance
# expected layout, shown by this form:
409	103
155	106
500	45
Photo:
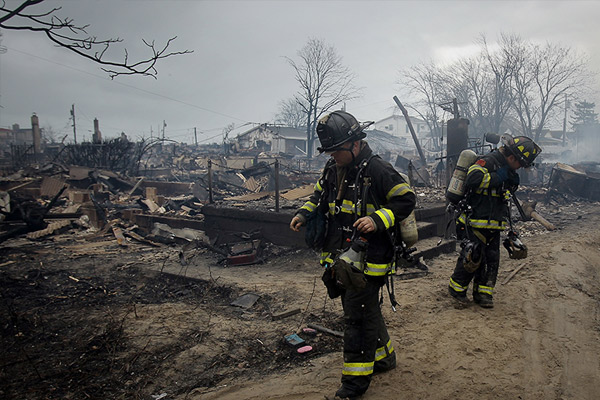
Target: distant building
397	126
21	136
272	139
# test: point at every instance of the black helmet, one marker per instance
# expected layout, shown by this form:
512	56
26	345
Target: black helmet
516	249
338	128
472	255
523	148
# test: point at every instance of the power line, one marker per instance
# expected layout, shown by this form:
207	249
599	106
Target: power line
129	86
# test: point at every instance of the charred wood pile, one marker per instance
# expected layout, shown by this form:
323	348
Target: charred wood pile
155	193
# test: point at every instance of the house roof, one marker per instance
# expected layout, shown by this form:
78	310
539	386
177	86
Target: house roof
381	142
397	116
285	132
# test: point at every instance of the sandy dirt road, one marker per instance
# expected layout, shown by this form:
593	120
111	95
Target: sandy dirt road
91	319
540	341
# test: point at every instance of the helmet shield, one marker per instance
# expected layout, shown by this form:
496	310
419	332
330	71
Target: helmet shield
338	128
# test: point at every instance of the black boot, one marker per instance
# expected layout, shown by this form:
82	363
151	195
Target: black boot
460	296
346	394
484	300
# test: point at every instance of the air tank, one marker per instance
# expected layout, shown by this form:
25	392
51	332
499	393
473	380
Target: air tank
408	226
456	187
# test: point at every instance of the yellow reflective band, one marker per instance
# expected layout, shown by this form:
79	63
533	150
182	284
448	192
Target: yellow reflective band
387	216
516	140
476	167
485	182
309	206
488	192
377	269
384	351
479	236
370	209
347	207
526	154
318	186
326	258
486	224
521	148
485	289
457	286
399	190
358	369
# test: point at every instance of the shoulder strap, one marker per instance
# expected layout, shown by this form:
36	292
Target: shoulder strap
360	186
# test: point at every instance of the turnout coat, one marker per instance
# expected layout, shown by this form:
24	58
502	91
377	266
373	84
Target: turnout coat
369	186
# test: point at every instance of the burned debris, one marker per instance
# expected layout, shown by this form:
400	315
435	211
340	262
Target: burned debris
125	226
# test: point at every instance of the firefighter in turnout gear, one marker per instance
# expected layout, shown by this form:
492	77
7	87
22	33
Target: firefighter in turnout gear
489	183
364	198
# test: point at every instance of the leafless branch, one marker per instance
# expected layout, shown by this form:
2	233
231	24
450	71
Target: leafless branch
64	32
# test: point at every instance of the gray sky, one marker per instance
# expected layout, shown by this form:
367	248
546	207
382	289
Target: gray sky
238	73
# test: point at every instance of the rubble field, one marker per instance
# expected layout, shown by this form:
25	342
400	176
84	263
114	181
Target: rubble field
86	316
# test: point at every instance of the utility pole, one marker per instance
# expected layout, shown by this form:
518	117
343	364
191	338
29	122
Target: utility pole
564	135
163	129
74	129
455	108
195	137
412	130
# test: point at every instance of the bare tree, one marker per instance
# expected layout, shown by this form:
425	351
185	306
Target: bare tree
544	75
427	81
49	135
519	79
291	114
29	15
503	67
482	84
469	82
325	83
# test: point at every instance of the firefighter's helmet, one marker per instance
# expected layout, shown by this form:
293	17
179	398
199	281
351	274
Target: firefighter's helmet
472	255
338	128
516	249
523	148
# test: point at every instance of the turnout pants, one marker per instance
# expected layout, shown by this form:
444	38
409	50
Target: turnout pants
484	278
367	345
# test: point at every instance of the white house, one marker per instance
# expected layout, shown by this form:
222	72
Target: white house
396	125
272	139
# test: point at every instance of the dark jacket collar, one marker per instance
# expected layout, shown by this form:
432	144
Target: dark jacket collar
364	154
499	157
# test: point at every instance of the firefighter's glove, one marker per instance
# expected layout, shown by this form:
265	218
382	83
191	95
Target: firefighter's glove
502	173
513	179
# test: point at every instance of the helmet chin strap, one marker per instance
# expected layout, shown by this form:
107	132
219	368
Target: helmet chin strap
351	150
